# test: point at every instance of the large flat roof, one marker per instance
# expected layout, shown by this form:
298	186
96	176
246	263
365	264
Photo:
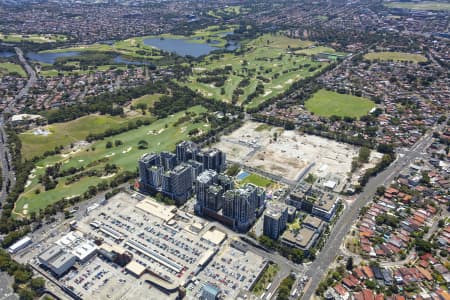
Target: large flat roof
135	268
215	236
158	210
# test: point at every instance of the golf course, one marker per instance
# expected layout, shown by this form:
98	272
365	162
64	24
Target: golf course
261	69
121	150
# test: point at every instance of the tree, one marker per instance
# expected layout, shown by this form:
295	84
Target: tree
22	276
37	284
109	144
142	144
349	265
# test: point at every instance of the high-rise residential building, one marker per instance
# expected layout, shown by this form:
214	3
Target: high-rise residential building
177	183
197	167
168	160
150	171
187	150
202	183
160	173
242	205
214	199
213	159
275	219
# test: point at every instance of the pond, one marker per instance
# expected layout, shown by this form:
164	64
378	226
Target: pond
48	57
6	54
185	47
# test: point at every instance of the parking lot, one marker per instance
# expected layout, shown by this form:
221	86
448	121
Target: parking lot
163	240
232	270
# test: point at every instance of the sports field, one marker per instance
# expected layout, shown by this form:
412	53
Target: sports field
327	103
265	62
7	68
257	180
422	5
160	135
396	56
35	143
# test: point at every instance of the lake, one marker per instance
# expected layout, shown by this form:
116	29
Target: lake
185	47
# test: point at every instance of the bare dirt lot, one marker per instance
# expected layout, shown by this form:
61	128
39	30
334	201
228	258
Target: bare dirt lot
254	145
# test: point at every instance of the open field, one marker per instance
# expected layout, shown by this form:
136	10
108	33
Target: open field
327	103
396	56
266	62
7	68
160	135
35	143
290	155
53	72
34	38
423	5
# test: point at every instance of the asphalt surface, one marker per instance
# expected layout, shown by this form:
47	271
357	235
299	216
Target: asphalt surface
8	174
31	80
326	257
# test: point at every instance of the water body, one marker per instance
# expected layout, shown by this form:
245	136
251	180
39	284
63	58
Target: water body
50	58
6	54
184	47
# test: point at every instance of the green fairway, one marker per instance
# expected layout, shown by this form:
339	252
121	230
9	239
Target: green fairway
148	100
396	56
257	180
34	38
160	135
422	5
66	133
266	65
7	68
327	103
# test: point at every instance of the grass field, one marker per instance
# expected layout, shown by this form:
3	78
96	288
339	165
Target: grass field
66	133
35	38
149	100
327	103
257	180
7	68
160	135
228	11
396	56
265	61
423	5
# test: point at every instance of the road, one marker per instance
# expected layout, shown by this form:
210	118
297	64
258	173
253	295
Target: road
326	257
8	175
31	78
